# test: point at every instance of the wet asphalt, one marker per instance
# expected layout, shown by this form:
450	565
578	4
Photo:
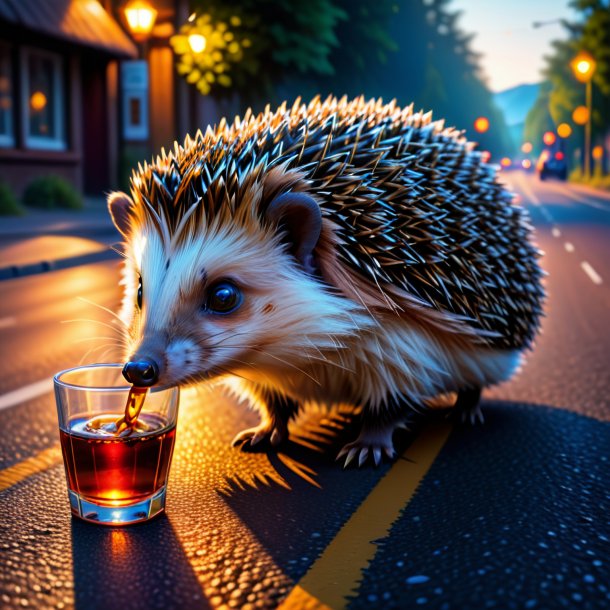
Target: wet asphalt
512	514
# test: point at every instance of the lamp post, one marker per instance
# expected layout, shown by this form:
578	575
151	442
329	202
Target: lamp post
583	67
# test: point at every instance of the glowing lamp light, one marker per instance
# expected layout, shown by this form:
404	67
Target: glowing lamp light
481	124
505	162
598	152
526	147
197	42
564	130
549	138
580	115
38	101
583	66
559	156
526	164
141	17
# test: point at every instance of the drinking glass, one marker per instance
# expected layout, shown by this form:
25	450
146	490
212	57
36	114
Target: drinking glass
114	479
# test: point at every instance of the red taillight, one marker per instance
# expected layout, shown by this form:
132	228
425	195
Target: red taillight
559	155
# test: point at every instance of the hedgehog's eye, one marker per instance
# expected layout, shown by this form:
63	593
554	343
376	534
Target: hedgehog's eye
223	297
139	298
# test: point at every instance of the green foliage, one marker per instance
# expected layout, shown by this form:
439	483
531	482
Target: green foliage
411	50
539	119
8	202
283	36
50	192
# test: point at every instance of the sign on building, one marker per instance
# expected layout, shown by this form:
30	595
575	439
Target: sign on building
134	80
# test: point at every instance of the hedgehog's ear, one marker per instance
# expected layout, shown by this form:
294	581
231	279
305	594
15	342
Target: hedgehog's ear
119	206
298	214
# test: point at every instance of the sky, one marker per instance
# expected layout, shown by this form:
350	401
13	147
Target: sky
512	48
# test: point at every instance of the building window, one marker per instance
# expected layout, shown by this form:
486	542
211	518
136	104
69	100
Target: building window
7	133
43	100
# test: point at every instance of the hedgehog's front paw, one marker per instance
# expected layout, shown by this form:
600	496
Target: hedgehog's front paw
266	433
374	442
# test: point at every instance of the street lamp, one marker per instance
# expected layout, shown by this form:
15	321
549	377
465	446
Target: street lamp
583	67
141	17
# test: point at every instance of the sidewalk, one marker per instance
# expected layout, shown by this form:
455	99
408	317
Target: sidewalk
56	239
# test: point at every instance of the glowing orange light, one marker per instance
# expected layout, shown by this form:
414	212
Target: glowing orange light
580	115
564	130
598	152
526	147
38	100
481	124
526	164
549	138
583	66
559	155
141	18
505	162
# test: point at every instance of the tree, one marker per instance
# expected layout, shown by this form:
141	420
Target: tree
305	39
564	93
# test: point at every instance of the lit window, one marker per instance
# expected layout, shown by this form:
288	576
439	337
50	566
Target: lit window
7	134
43	100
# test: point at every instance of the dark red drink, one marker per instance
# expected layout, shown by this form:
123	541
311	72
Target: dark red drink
116	470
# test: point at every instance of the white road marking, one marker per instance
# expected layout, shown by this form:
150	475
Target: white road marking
569	246
7	322
593	275
556	232
28	392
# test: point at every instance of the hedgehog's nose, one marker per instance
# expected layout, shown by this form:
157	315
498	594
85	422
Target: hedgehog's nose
142	373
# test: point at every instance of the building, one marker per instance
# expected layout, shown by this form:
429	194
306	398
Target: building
82	99
58	91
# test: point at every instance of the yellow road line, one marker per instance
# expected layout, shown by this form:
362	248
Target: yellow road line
37	463
338	570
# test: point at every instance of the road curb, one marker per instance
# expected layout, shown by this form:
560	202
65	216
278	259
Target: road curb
15	271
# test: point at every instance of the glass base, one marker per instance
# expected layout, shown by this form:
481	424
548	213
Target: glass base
117	515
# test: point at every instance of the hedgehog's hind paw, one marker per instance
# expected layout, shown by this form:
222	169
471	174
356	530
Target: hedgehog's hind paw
261	436
468	407
373	442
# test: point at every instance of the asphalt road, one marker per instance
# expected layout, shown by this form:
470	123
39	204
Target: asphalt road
512	514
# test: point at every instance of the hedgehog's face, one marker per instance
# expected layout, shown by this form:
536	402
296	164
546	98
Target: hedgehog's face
230	300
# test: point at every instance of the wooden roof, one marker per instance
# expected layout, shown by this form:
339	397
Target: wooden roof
83	22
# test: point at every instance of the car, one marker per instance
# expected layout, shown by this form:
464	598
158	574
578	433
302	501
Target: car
552	165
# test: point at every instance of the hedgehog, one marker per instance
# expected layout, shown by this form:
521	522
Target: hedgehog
331	253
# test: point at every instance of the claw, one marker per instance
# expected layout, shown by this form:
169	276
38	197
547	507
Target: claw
350	456
262	432
364	453
389	452
377	455
276	437
342	453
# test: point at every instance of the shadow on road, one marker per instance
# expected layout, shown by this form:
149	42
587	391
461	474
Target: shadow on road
135	567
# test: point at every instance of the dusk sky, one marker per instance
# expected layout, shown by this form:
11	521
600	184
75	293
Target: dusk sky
512	49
